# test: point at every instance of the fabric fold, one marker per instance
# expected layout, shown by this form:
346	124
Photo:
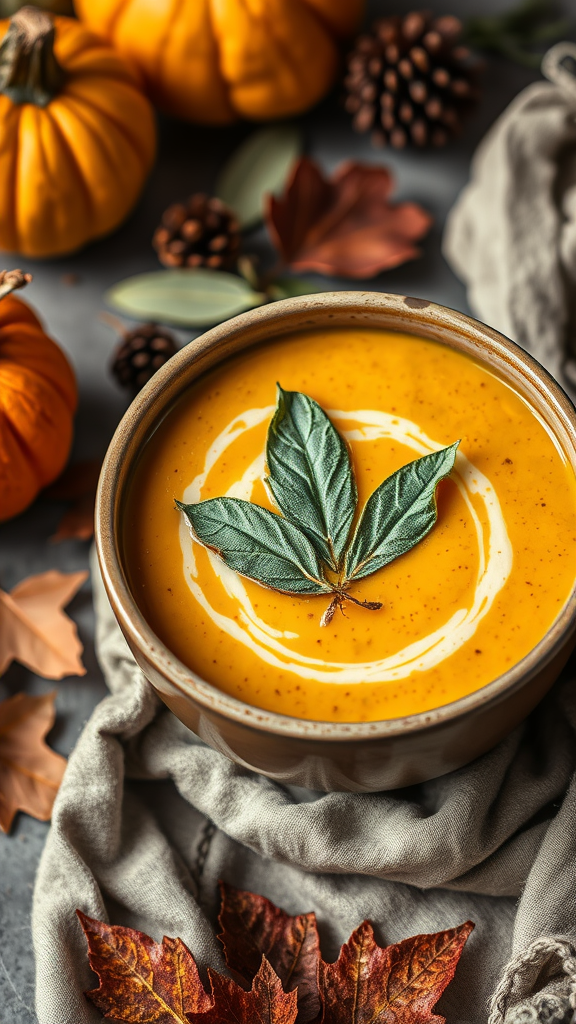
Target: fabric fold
148	818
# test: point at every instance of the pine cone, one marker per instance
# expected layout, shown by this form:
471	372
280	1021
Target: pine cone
411	81
203	232
140	353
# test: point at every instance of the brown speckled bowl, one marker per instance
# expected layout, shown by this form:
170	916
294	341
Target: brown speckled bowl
325	755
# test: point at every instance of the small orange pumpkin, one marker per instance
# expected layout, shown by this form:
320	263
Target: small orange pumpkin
38	399
215	60
77	136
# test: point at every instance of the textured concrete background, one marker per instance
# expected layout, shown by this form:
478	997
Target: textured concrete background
190	158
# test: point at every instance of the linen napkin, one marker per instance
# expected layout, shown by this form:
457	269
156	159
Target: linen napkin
511	236
148	819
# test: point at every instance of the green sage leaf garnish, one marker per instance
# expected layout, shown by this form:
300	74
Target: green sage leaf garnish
258	544
310	475
196	297
399	514
308	550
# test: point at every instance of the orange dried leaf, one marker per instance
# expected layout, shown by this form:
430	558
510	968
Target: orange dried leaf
142	980
345	225
35	631
265	1003
252	927
397	984
30	772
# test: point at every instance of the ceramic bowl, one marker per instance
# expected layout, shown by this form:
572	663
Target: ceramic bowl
324	755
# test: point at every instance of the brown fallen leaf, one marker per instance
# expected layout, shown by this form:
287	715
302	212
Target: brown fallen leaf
252	927
77	484
142	980
399	984
344	225
35	631
265	1003
30	772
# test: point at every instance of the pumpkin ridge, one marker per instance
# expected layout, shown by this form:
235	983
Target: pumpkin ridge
23	448
44	379
90	207
169	29
23	444
218	62
13	186
74	107
282	49
122	127
120	10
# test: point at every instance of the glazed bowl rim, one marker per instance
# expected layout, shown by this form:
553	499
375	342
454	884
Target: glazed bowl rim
433	319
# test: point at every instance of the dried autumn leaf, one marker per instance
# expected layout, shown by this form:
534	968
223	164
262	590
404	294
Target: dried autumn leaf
265	1003
77	484
142	980
252	927
30	772
35	631
345	225
397	984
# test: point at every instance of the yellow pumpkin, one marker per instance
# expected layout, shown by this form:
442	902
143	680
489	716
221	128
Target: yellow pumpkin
38	399
212	61
77	136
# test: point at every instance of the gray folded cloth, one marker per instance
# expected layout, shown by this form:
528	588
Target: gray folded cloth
148	819
512	234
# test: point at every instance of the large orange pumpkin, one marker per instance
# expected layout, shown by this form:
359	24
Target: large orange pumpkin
38	399
77	136
215	60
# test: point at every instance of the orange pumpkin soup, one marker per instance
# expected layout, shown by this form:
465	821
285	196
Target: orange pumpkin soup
458	610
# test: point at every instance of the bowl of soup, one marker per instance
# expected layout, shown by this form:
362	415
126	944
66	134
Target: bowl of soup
446	648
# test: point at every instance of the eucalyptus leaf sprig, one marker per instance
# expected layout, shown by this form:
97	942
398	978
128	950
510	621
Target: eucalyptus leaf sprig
313	547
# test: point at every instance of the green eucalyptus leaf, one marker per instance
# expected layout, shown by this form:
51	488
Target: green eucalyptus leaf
259	166
399	514
290	287
198	297
258	544
310	475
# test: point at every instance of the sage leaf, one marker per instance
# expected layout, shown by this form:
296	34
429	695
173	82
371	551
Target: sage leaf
310	475
290	287
400	512
197	297
258	544
259	166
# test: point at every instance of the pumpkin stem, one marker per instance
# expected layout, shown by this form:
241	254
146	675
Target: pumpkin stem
10	280
29	71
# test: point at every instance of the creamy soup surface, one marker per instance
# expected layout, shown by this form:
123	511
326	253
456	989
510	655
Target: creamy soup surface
459	609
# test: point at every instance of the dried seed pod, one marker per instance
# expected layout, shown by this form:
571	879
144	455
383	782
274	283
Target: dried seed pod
202	232
140	353
411	81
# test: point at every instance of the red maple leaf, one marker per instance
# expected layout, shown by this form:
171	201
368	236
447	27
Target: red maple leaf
144	982
253	927
345	225
397	984
265	1003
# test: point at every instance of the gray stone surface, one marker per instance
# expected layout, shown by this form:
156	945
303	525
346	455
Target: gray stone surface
190	158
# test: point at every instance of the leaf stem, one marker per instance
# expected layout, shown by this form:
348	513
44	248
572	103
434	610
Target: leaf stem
372	606
338	600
